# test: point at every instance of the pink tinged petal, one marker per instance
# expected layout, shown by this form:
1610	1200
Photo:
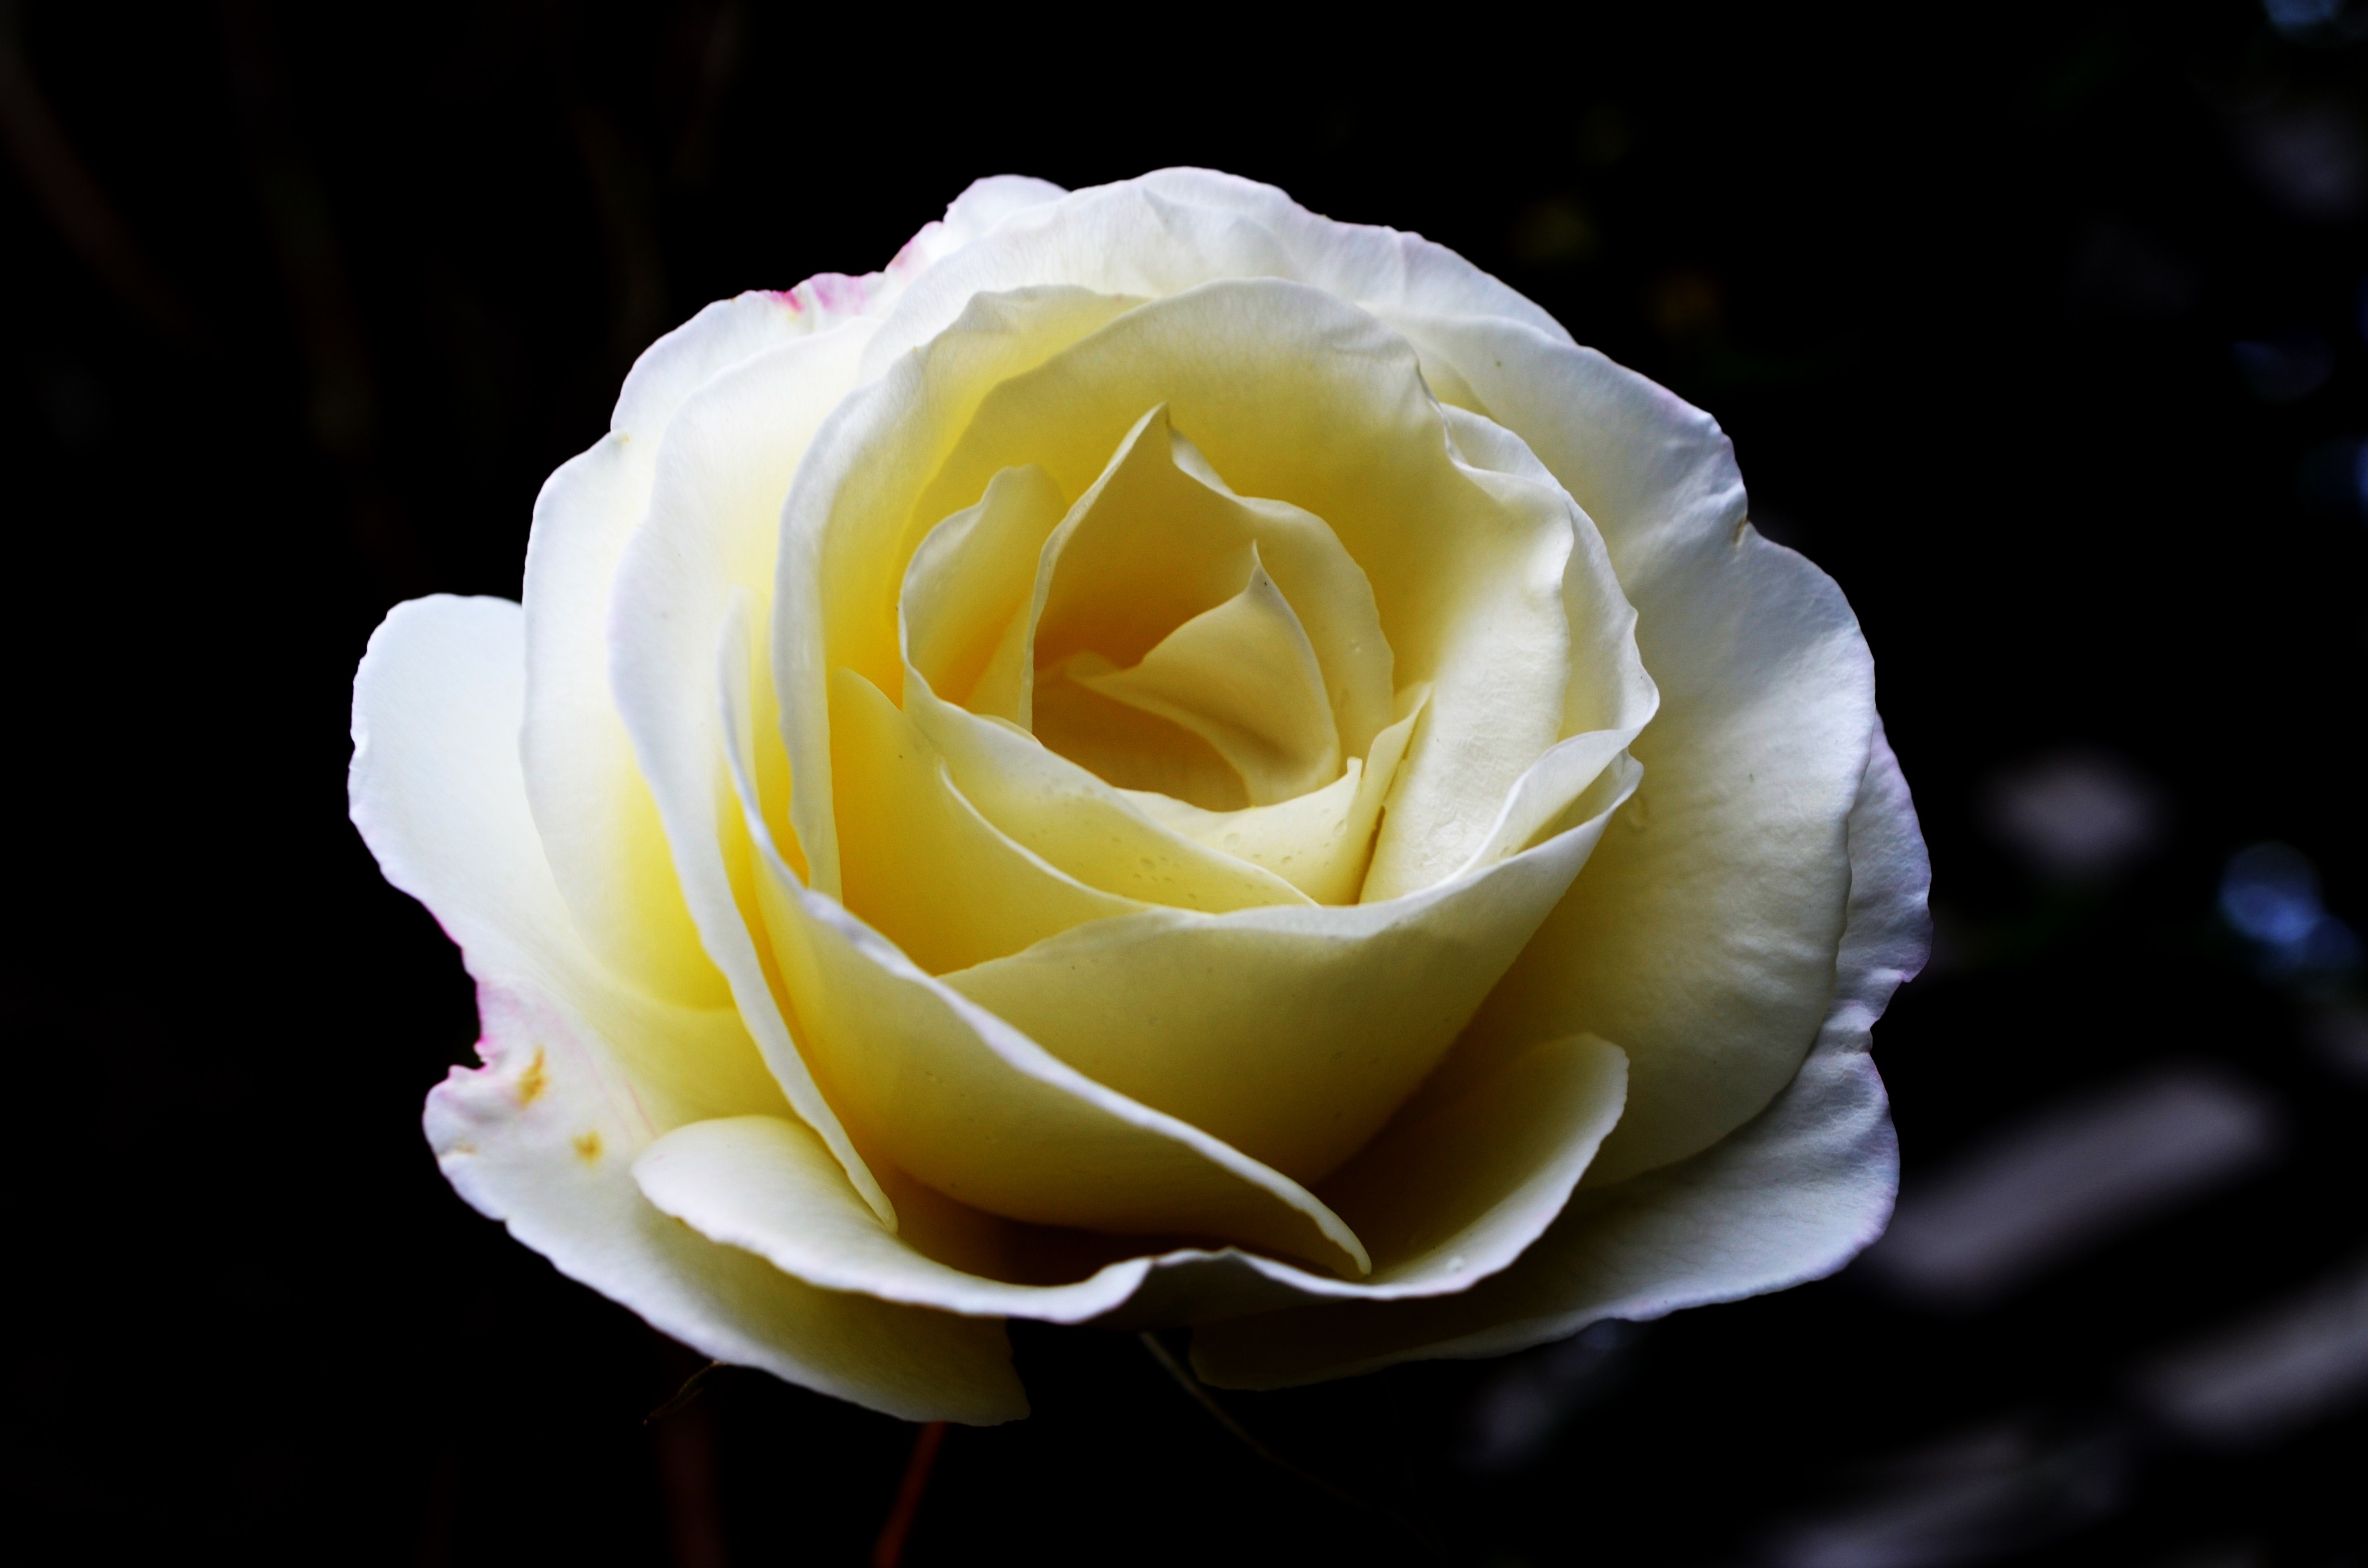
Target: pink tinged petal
978	208
1702	938
1790	1197
582	1072
724	465
965	1103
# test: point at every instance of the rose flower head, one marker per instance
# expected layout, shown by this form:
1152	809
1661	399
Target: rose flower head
1162	761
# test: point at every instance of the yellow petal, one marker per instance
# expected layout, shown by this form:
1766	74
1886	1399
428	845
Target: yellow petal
850	525
1243	676
1159	539
922	866
1319	843
1324	1018
965	1103
1296	397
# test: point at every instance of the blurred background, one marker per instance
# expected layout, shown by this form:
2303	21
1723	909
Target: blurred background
2040	327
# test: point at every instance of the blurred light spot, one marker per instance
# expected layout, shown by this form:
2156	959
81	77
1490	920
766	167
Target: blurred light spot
2270	895
2285	369
1555	231
2070	1178
2308	158
1684	305
2075	815
2119	270
1991	1492
1516	1411
2332	478
2317	21
2301	1361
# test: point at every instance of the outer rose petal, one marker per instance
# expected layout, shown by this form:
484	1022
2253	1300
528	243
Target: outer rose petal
1701	935
1790	1197
581	1073
726	461
594	813
1173	229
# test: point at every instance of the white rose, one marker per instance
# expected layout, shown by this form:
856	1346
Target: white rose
1164	760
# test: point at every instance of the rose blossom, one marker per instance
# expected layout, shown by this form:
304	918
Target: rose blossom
1164	760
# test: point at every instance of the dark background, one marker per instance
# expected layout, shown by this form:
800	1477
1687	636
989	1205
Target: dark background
2040	328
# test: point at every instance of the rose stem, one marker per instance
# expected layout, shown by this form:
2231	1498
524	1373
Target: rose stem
1208	1401
891	1544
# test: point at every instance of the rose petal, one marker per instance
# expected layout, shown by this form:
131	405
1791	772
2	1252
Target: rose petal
1176	229
1327	1017
1244	677
958	1098
1295	396
582	1072
965	619
724	464
768	1184
1159	539
1702	936
848	531
1320	843
1790	1197
595	818
923	868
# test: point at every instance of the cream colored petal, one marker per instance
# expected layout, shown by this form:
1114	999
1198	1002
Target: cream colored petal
583	1072
849	528
1075	823
922	866
724	464
1463	1184
1459	1183
833	298
1319	843
1052	808
1087	828
1327	1017
1790	1197
1703	935
767	1184
968	591
1158	539
1243	676
963	1102
1296	397
1175	229
598	825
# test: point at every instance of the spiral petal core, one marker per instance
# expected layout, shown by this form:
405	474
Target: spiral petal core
1064	779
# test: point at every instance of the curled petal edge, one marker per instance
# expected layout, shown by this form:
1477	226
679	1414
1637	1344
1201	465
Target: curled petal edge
1790	1197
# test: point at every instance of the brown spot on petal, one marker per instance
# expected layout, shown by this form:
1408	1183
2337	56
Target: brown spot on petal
588	1146
533	1081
